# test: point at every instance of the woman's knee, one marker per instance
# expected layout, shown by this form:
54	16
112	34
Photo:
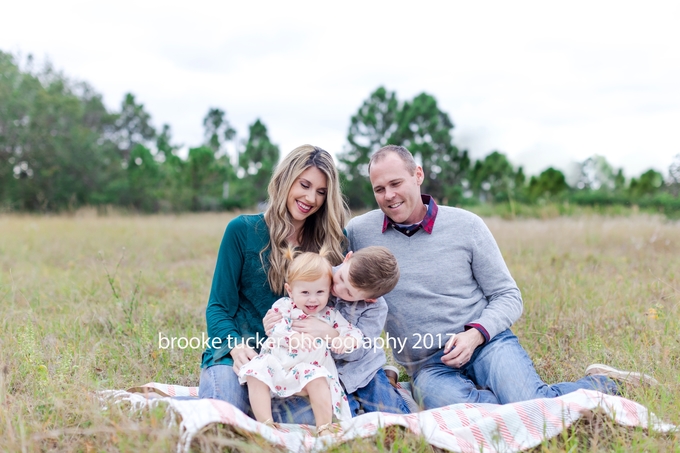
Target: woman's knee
221	383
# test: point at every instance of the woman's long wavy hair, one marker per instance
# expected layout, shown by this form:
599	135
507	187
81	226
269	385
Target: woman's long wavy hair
323	228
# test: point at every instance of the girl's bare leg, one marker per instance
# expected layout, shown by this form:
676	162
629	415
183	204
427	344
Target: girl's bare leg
260	399
322	405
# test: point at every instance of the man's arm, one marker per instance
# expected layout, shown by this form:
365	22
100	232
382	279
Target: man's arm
491	273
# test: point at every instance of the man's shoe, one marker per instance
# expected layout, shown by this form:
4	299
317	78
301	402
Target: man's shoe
629	377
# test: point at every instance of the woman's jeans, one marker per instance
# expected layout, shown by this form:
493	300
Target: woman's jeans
220	382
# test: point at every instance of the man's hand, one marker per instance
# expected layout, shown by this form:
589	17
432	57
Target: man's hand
459	348
270	319
242	354
316	328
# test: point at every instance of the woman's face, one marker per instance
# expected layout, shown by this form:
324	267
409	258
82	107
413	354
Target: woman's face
306	195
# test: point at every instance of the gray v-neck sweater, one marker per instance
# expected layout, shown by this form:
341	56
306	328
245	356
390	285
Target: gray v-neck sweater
452	277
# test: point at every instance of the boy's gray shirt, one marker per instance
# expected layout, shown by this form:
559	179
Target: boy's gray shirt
451	278
357	368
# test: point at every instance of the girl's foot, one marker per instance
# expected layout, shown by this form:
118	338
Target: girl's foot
271	423
326	429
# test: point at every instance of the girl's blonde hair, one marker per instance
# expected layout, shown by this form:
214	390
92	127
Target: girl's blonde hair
324	228
307	266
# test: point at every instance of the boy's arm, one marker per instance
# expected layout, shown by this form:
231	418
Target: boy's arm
371	322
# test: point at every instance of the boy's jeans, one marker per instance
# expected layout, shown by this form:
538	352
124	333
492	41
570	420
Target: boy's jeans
377	396
499	372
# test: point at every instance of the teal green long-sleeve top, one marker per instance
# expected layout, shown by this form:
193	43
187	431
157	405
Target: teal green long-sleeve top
240	294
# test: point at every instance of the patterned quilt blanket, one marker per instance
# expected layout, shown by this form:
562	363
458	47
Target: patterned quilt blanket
458	428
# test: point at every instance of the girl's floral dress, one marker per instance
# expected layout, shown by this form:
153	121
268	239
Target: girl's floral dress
286	369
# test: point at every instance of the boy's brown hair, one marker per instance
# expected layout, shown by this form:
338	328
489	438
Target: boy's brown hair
374	270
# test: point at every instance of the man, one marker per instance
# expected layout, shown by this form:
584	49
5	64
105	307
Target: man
450	314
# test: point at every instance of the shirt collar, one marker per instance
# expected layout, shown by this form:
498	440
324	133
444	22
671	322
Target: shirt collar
427	223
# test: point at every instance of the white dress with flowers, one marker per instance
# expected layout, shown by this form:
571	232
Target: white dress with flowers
287	370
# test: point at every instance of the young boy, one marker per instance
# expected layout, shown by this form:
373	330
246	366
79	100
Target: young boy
358	284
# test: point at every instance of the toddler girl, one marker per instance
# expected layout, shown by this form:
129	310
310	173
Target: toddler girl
293	363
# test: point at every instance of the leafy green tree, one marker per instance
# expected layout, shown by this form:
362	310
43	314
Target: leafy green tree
132	125
426	131
596	174
217	129
548	184
207	177
649	183
258	160
673	180
493	178
619	181
371	128
143	175
54	151
175	194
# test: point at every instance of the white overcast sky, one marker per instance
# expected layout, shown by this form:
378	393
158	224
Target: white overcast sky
547	83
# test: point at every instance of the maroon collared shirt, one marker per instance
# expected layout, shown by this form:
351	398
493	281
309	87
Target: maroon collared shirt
427	224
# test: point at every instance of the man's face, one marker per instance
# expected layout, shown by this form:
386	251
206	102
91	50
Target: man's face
396	190
342	288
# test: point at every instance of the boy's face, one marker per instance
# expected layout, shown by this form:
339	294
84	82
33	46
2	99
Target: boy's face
342	287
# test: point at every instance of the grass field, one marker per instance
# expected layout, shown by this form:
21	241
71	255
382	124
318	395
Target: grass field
83	299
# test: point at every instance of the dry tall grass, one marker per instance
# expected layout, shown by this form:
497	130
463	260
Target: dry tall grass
83	299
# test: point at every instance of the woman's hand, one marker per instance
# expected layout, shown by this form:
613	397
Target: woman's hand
315	328
242	354
270	320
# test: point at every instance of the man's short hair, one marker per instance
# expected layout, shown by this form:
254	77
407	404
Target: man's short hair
374	270
403	153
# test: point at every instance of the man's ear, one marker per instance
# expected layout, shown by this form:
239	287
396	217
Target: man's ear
287	288
420	175
347	257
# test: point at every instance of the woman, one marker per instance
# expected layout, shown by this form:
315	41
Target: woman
306	210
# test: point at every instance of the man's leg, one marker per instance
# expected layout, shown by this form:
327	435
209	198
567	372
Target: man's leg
436	384
380	396
220	382
504	367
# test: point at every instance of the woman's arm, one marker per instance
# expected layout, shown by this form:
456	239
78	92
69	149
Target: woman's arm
223	302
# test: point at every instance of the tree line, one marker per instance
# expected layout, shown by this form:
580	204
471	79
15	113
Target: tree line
61	149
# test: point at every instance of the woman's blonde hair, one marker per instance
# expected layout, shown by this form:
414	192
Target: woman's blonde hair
324	228
307	266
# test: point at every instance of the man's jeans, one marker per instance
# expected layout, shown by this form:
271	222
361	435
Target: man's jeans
377	396
499	372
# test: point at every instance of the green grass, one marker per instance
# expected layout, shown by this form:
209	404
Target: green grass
83	299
